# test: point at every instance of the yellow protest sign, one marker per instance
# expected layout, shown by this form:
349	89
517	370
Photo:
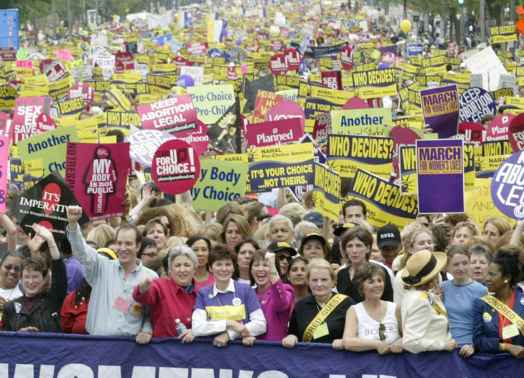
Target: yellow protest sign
348	153
327	194
384	201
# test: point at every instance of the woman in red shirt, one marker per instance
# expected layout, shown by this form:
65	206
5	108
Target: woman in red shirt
172	298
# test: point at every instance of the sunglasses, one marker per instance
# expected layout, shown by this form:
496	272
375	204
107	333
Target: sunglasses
382	332
16	268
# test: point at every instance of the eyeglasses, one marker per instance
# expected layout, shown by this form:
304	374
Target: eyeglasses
382	332
16	268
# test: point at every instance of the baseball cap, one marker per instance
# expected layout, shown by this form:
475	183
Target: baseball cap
388	236
279	247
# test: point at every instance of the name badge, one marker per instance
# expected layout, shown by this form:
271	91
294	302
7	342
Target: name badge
509	331
321	331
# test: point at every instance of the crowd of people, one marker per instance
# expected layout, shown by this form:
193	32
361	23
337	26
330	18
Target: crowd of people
284	273
248	276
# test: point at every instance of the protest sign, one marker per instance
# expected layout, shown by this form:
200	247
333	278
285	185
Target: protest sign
516	133
408	169
327	195
220	182
440	173
275	132
50	148
212	101
170	115
70	107
45	203
385	202
198	138
176	167
440	107
375	83
371	121
144	143
499	127
507	186
4	174
286	109
479	203
25	116
264	102
476	104
121	121
97	175
347	153
7	97
315	108
503	34
281	166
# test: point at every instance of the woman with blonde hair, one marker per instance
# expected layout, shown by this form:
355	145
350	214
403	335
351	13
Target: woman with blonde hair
424	317
416	238
494	228
101	235
179	220
464	232
319	317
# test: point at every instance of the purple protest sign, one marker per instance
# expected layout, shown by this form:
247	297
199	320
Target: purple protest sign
274	132
507	186
440	107
440	174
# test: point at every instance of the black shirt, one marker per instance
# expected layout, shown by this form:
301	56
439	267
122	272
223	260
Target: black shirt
349	287
305	311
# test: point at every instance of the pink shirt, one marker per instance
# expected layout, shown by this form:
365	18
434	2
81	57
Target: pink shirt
208	282
277	304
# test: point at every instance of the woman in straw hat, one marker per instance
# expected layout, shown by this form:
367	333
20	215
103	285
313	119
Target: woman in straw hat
424	317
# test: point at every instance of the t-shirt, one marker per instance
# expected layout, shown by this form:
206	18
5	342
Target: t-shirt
11	294
459	304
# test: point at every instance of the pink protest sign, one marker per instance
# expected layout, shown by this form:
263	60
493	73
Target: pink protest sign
24	63
44	123
292	59
499	127
171	115
4	172
331	79
5	125
356	103
64	54
97	175
286	109
197	138
274	133
27	111
278	64
516	133
176	167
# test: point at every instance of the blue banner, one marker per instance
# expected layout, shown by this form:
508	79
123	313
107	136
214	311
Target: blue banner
76	356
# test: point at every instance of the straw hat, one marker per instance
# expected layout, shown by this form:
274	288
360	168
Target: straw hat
422	267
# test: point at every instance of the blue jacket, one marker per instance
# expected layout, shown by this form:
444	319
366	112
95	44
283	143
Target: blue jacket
486	336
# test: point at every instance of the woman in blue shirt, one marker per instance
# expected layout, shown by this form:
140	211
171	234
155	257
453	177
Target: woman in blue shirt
459	294
493	332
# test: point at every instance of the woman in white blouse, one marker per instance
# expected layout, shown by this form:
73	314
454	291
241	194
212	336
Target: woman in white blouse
424	317
372	324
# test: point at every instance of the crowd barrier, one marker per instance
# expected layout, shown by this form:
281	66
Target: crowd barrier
75	356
